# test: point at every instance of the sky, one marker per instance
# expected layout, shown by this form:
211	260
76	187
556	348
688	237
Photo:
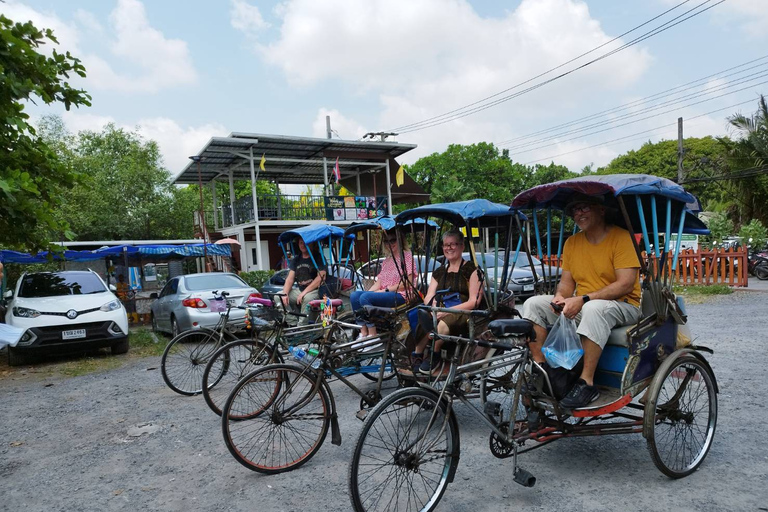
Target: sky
182	71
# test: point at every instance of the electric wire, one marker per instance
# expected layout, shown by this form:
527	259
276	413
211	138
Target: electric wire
464	112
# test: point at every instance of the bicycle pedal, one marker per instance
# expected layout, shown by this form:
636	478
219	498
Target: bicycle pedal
362	414
524	478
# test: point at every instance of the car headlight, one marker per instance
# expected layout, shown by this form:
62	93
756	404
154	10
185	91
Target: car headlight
25	312
111	306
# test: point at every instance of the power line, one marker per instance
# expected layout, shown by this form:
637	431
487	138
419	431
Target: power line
741	174
623	139
626	106
650	109
472	109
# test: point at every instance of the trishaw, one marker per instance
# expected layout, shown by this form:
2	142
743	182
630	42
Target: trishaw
408	450
273	327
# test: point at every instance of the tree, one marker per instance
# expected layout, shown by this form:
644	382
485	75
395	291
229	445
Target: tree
720	226
32	176
463	172
753	234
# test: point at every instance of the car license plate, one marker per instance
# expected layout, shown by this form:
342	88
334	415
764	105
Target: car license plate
231	302
73	334
527	287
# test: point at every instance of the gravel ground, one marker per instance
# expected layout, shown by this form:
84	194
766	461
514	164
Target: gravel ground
122	440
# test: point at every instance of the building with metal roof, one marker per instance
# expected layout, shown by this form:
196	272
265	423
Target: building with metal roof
366	168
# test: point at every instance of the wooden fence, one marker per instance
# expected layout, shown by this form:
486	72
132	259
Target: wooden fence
718	266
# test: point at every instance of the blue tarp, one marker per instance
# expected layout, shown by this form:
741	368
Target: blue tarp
118	251
313	233
460	212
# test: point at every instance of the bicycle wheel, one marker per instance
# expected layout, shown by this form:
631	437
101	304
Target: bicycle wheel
681	416
375	361
229	364
275	420
184	360
406	454
498	385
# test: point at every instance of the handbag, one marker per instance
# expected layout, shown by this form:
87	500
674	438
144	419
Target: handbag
453	299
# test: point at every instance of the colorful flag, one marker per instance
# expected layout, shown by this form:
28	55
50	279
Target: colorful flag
263	161
336	171
400	176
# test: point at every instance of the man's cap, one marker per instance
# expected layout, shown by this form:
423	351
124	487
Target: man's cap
580	198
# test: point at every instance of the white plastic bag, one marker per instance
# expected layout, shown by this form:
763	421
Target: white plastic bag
9	335
563	346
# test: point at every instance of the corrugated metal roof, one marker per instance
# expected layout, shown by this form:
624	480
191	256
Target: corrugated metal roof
288	159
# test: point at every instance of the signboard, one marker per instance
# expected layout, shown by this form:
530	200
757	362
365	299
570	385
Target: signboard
686	242
354	208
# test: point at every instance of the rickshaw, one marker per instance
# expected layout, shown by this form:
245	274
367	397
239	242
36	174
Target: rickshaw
408	450
273	328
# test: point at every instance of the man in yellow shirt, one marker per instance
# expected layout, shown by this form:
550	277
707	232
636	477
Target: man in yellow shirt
599	288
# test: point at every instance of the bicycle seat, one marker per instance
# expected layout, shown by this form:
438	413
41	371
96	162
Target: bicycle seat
319	302
379	312
260	301
510	327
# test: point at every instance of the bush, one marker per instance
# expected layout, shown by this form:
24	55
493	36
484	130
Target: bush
753	234
257	278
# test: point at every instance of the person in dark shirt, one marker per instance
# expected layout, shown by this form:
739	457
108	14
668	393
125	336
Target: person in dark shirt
303	272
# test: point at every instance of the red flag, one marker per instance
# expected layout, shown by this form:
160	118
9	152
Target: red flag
336	172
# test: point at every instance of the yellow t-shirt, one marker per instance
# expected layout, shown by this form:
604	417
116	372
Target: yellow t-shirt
593	266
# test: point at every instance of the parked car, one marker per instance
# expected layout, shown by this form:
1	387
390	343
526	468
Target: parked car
369	272
65	311
187	302
275	283
522	282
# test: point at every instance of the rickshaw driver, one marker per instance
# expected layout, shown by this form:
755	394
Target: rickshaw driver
303	272
599	287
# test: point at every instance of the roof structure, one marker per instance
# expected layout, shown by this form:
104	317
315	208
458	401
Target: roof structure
298	160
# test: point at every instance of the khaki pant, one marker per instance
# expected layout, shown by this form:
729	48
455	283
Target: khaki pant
595	320
310	296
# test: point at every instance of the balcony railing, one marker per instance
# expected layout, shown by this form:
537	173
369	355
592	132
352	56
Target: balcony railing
302	207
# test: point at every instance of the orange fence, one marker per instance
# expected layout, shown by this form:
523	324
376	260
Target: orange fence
718	266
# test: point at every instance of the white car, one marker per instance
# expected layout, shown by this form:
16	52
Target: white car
64	312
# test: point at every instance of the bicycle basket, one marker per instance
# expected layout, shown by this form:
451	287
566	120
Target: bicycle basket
262	316
217	305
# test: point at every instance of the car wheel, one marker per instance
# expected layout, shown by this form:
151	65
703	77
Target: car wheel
19	357
174	327
121	347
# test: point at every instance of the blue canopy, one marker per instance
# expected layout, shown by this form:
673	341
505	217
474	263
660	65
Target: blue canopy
386	223
559	193
131	251
460	212
314	233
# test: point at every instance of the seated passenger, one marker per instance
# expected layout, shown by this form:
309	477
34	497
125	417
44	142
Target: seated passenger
599	287
305	274
461	279
389	290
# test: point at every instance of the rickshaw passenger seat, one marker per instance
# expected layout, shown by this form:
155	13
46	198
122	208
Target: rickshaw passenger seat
510	327
379	312
618	336
319	302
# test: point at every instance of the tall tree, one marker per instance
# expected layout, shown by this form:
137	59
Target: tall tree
32	176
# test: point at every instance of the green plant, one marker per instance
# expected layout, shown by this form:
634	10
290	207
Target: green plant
257	278
753	234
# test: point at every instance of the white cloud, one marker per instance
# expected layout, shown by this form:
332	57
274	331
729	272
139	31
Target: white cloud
247	18
158	62
177	143
341	126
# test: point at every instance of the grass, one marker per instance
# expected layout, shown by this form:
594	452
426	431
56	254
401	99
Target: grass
143	342
702	293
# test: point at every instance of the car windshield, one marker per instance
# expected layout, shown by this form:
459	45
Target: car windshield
213	281
60	283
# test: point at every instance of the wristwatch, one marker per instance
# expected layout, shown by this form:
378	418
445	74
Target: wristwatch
585	298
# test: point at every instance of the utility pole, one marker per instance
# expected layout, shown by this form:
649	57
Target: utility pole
679	149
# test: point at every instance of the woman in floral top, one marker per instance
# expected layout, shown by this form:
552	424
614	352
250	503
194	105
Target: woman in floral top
388	291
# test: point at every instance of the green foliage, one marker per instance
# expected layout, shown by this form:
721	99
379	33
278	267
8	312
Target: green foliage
257	278
709	289
753	234
32	176
720	227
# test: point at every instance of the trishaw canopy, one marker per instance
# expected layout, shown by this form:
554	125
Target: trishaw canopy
314	233
461	212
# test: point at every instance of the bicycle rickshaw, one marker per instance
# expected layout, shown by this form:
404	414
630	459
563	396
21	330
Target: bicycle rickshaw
408	450
273	327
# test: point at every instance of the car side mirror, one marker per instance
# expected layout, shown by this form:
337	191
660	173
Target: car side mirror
9	294
153	295
112	288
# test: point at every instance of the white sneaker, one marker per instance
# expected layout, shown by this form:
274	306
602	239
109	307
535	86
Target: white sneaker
378	347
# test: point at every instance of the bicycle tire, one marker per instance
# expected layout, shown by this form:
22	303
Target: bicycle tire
675	411
184	359
255	431
761	272
409	470
229	364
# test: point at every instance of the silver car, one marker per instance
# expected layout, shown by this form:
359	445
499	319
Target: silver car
187	302
522	281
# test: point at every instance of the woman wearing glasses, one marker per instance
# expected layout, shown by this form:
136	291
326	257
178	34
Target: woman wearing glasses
388	291
460	278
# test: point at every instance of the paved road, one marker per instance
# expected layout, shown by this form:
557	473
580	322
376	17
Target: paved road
64	445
